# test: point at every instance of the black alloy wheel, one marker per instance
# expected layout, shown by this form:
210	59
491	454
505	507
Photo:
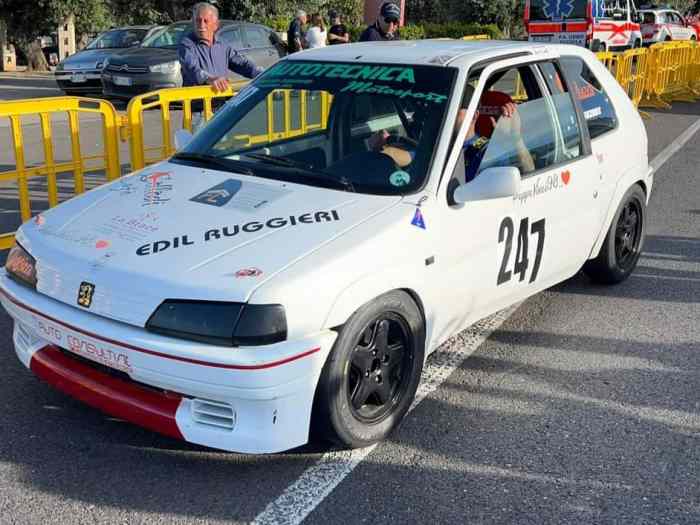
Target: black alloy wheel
372	373
628	234
379	368
623	243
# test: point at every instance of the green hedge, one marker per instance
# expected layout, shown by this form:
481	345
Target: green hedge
414	31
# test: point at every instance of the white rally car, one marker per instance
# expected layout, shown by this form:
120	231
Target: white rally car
663	25
236	296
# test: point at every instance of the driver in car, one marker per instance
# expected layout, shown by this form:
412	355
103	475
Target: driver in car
492	106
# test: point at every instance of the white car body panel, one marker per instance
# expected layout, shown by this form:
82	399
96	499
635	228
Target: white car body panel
321	268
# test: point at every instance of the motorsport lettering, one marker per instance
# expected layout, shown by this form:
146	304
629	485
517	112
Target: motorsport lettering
346	72
238	229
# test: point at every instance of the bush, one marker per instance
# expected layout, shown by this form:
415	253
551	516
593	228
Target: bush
460	29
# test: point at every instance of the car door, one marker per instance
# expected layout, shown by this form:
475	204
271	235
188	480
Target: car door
259	47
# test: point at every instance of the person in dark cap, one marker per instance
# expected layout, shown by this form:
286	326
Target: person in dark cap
338	33
386	26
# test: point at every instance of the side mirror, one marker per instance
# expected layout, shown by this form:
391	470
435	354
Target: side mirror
182	138
492	183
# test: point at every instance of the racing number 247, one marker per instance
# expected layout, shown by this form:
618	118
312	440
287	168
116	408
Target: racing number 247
522	262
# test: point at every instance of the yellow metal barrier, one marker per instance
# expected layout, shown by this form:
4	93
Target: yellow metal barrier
609	60
163	99
630	72
476	37
671	74
45	108
283	101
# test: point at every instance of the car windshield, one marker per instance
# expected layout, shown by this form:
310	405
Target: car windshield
168	37
118	38
369	128
649	18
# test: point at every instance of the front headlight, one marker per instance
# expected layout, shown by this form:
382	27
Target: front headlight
21	266
168	67
220	323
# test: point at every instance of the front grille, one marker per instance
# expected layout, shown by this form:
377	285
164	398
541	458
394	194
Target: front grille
126	69
213	414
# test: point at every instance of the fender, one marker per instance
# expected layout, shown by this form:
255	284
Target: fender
372	286
629	179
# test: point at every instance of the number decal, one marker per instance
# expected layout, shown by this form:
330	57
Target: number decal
506	225
538	228
522	261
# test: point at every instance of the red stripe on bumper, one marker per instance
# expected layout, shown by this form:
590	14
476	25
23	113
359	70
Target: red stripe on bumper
262	366
116	397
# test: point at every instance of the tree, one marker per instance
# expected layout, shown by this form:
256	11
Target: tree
29	20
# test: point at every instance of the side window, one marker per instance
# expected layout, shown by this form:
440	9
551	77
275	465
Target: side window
564	111
233	37
530	139
597	108
256	37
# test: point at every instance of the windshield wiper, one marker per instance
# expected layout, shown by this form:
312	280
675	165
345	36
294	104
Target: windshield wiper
308	170
218	162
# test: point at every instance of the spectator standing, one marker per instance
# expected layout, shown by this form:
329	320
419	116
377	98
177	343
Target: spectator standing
338	33
386	26
295	33
204	59
316	36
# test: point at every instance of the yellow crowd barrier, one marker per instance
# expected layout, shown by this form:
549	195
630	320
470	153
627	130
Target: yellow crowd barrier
46	108
476	37
287	117
163	99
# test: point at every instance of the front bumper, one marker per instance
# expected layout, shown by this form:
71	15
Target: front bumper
79	81
251	400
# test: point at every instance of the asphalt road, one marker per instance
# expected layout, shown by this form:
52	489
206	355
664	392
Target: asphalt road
582	407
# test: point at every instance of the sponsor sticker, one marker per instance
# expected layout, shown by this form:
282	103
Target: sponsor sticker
418	220
399	178
248	272
220	194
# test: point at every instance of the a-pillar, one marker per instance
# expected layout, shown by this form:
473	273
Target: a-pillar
372	10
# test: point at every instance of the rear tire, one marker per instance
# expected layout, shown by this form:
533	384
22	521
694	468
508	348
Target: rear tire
371	376
623	243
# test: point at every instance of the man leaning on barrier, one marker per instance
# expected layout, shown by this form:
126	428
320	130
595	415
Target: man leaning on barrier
205	59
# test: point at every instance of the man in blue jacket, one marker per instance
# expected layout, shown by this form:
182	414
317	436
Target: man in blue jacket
205	59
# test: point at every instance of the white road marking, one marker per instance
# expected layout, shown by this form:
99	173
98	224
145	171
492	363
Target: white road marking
318	481
674	146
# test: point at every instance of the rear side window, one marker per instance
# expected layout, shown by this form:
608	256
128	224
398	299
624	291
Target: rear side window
595	103
257	37
649	18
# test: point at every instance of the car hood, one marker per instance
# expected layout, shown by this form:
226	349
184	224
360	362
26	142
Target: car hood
88	58
173	231
144	56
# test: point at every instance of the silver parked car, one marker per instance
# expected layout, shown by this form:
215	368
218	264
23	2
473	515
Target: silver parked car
155	64
81	72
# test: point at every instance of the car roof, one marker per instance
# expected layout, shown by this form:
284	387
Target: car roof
418	52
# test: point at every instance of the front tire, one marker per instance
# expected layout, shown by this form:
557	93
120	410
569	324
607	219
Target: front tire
372	374
623	243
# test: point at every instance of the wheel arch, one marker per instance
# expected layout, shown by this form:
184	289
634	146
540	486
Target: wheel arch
621	190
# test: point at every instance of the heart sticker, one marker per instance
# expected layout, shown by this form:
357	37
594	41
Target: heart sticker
566	177
101	245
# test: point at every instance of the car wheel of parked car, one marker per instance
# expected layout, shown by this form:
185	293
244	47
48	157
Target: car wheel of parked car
623	243
370	378
667	39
